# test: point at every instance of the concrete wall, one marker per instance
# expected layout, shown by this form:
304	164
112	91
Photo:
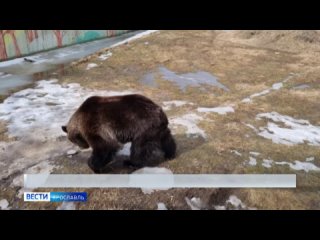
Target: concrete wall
17	43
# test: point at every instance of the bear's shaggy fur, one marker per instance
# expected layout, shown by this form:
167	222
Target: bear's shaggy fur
105	123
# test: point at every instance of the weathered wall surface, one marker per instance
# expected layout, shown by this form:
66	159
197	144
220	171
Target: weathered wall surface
17	43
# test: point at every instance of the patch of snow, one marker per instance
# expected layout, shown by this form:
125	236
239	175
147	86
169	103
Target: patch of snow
297	165
236	152
310	159
161	206
236	202
91	65
277	86
218	207
190	122
72	152
299	131
264	92
274	87
125	150
251	126
252	161
4	204
254	153
219	110
105	56
67	206
246	100
29	111
152	170
146	43
267	163
21	155
194	203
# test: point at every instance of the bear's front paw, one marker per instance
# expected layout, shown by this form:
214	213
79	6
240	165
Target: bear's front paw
94	168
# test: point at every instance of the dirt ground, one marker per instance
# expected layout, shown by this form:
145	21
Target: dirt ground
246	62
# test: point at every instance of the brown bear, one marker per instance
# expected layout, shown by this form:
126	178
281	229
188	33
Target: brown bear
105	123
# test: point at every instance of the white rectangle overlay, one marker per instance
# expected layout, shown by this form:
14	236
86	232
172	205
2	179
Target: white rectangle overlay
154	181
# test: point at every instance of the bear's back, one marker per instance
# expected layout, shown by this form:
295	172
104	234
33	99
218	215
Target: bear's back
122	111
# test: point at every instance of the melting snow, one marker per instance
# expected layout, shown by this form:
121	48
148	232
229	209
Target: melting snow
252	161
219	110
29	111
254	153
310	159
105	56
236	152
267	163
235	201
297	165
275	86
72	152
194	203
21	155
246	100
218	207
91	65
298	131
4	204
161	206
251	126
190	122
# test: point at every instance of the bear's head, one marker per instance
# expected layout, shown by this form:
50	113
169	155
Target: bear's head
75	137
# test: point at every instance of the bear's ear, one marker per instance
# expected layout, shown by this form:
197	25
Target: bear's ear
64	128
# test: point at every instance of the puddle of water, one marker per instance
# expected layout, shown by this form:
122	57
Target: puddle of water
183	81
191	79
301	86
13	81
149	80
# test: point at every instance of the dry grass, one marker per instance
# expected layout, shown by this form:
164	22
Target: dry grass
245	67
